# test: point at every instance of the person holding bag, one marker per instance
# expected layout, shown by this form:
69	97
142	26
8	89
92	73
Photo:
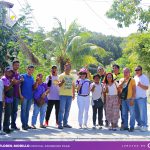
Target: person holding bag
112	101
83	98
128	86
97	103
40	102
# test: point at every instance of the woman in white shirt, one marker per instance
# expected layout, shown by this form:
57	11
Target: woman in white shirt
112	101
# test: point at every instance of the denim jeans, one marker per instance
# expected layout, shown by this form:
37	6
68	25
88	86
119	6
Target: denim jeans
141	111
1	111
14	112
125	109
7	115
36	111
64	109
25	108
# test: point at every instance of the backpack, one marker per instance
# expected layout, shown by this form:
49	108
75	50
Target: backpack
80	91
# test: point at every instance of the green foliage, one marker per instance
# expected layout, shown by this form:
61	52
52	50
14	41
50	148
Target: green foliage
72	44
136	52
128	12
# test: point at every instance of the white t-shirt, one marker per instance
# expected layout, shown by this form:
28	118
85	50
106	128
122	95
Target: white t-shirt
1	89
143	79
97	92
112	90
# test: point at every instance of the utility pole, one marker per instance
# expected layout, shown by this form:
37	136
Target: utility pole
4	12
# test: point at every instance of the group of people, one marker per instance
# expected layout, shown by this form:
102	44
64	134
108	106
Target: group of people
115	96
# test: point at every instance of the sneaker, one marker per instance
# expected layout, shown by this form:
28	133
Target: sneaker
137	128
33	127
100	127
60	127
46	123
15	128
24	128
42	126
2	133
67	126
123	129
114	129
85	126
7	131
131	130
94	127
143	129
29	127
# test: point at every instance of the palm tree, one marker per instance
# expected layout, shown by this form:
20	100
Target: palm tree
71	45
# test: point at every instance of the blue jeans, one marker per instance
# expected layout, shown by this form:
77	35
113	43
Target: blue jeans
141	112
36	111
64	109
25	108
125	109
14	112
1	111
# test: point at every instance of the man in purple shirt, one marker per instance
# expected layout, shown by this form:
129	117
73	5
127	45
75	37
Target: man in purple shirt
53	95
8	82
16	87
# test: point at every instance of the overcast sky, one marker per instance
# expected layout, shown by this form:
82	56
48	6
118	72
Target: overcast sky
89	14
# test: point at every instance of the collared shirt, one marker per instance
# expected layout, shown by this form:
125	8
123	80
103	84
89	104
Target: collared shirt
54	88
143	79
6	82
27	86
1	90
39	91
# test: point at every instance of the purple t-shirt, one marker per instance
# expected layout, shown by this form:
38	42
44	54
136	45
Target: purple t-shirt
39	91
16	87
6	82
85	86
54	88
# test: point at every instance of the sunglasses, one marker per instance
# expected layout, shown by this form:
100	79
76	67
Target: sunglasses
137	69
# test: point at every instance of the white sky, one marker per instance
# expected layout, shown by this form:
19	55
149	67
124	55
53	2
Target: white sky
68	10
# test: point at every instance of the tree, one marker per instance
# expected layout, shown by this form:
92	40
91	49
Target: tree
72	45
128	12
136	51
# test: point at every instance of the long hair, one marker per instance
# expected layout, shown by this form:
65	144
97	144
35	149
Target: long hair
106	81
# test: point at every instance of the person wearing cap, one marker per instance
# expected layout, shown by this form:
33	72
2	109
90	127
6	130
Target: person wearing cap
97	94
16	98
67	94
8	82
26	95
83	98
53	95
40	102
142	84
